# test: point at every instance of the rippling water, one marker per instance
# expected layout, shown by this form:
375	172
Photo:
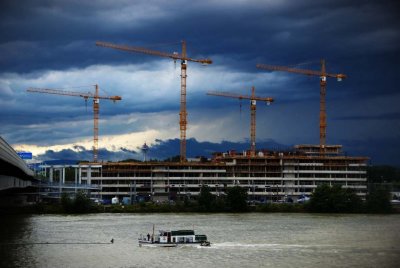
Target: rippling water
238	240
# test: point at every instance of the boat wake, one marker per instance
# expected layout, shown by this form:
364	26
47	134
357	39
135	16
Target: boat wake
261	245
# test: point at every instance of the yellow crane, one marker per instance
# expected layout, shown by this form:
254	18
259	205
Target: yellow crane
86	95
174	56
253	100
323	75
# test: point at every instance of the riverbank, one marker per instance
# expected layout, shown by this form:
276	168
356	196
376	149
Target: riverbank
150	207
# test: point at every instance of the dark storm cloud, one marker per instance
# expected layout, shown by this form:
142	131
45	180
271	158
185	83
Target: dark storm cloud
128	151
65	154
389	116
160	150
86	155
379	150
61	34
79	148
164	149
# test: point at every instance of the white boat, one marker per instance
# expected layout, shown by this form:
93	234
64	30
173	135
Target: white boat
173	239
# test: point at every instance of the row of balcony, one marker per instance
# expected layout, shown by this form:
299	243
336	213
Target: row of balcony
280	192
221	186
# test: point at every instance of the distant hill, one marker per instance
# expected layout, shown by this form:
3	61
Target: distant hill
159	150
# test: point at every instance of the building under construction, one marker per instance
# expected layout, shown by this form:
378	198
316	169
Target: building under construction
268	176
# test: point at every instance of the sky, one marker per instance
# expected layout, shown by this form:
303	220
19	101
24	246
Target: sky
51	44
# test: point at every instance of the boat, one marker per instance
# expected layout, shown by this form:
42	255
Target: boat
173	238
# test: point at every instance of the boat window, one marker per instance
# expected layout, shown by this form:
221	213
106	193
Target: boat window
201	238
182	232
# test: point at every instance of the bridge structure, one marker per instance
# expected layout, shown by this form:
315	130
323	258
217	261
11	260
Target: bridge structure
20	185
54	182
15	176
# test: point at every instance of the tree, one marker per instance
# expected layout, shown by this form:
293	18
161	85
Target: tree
81	203
66	203
378	199
237	198
334	199
206	199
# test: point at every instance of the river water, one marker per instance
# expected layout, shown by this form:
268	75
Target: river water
238	240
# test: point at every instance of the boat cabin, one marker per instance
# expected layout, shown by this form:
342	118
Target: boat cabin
180	236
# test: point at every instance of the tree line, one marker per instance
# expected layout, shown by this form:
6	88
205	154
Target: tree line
325	199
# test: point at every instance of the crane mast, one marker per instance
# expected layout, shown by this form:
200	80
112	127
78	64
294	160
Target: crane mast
322	109
96	107
253	101
323	75
184	59
183	112
253	124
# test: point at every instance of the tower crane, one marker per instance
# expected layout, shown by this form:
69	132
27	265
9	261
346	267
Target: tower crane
323	75
174	56
253	100
86	95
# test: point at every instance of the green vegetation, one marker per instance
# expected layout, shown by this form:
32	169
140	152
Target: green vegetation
325	199
334	199
237	199
79	204
206	200
378	199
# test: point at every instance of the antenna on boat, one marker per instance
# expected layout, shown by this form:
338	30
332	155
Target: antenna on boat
152	237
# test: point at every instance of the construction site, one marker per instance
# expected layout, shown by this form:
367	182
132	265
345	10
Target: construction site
268	175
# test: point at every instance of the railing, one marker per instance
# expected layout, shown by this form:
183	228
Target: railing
66	185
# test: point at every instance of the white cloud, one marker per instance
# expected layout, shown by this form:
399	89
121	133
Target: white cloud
110	142
143	85
5	90
149	127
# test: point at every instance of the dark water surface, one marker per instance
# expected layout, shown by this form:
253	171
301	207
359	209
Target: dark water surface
238	240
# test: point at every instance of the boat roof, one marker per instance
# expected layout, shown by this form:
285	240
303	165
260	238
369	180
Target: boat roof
178	232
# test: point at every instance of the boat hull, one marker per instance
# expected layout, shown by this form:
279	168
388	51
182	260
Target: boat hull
157	244
173	238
